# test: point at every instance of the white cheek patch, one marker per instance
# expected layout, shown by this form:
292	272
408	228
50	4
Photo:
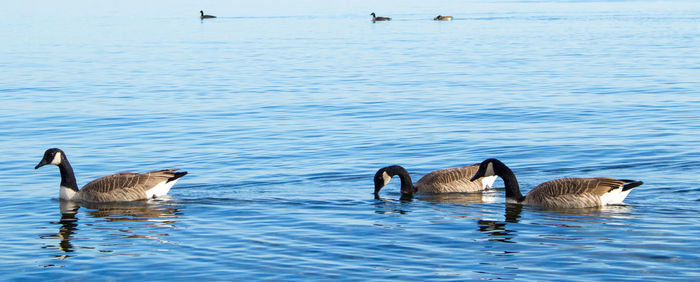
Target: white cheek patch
56	159
489	170
386	177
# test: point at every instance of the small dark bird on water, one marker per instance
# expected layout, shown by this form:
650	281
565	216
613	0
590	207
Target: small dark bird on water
443	18
203	16
375	18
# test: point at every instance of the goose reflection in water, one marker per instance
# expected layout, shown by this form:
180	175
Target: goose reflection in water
69	224
497	230
485	197
149	214
556	218
391	206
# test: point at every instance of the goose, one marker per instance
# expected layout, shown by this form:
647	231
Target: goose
203	16
375	18
447	180
560	193
443	18
125	186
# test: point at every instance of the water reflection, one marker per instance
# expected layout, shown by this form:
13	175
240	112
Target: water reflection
458	198
387	206
69	224
155	213
497	230
615	211
403	198
118	219
462	198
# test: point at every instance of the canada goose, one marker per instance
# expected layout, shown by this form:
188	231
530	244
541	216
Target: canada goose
560	193
375	18
440	181
443	18
203	16
125	186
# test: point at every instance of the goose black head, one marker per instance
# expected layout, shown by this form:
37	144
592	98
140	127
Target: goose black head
488	168
384	175
53	156
381	178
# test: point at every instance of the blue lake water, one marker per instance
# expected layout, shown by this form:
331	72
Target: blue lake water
282	113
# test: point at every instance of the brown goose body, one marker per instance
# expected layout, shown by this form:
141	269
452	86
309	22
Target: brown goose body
574	192
561	193
125	186
443	18
450	180
379	19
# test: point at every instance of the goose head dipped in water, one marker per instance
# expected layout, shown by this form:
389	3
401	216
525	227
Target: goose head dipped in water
449	180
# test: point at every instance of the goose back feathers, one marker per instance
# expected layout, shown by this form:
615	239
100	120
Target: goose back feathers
130	186
579	192
456	179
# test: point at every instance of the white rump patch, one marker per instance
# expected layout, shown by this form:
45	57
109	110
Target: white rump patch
386	178
67	194
160	190
56	159
614	197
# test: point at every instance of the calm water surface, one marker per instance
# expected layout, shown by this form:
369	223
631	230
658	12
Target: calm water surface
281	114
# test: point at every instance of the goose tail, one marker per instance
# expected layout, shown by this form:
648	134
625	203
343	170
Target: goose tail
176	176
630	184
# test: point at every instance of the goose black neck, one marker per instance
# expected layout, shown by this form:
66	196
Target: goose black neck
67	175
407	188
509	180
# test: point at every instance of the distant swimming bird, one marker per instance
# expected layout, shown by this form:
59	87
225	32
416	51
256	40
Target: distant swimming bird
125	186
375	18
443	18
560	193
203	16
440	181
